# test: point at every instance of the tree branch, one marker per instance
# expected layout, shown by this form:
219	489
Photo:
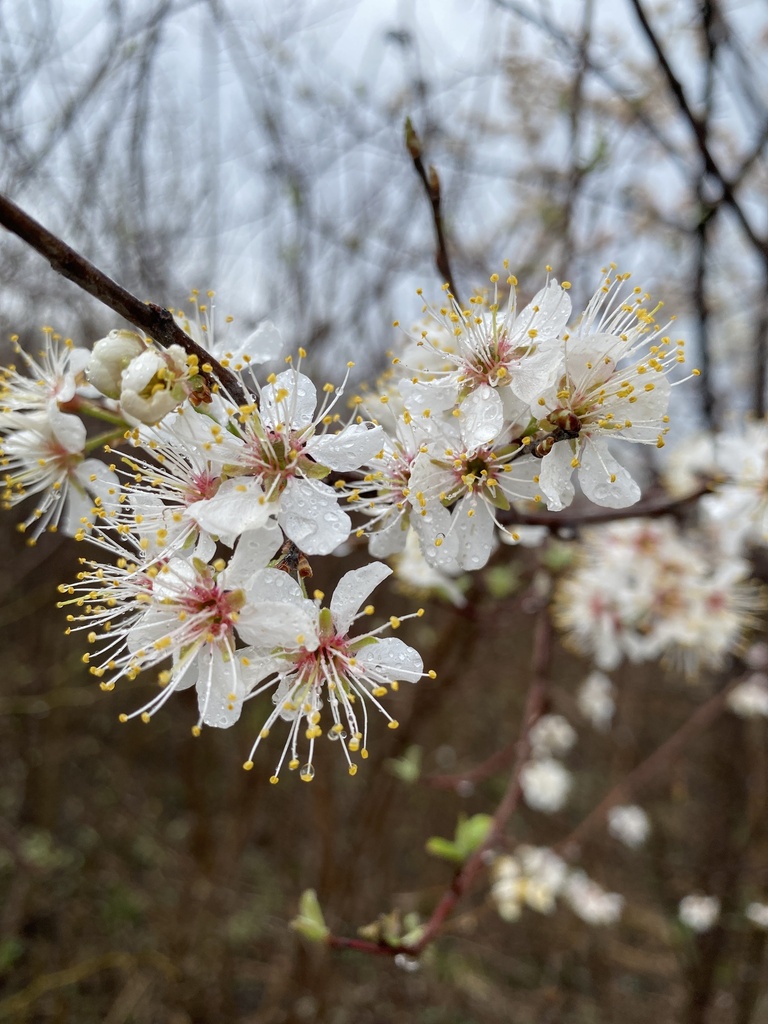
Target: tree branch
465	876
699	131
431	183
156	321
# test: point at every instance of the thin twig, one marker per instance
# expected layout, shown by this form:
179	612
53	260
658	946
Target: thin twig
699	131
648	769
431	182
157	322
650	508
465	876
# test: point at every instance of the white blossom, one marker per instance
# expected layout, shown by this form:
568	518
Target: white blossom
595	700
590	901
750	698
552	735
546	784
629	824
757	913
320	666
698	912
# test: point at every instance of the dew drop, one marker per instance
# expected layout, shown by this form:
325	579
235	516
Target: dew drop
307	773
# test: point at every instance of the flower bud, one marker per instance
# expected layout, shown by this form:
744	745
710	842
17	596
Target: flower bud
150	384
110	356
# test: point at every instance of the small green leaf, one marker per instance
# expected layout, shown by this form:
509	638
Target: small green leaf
444	848
408	767
472	833
310	921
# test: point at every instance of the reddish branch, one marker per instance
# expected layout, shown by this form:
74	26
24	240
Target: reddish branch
466	875
155	321
431	182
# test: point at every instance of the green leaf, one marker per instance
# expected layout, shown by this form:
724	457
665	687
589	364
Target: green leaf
444	849
408	767
472	833
310	921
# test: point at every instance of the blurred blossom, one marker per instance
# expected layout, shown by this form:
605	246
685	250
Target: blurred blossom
590	901
737	510
699	913
646	590
629	824
552	735
546	784
532	877
758	914
595	700
750	698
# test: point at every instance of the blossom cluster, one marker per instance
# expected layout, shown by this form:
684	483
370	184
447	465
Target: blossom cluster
490	406
644	590
222	482
535	877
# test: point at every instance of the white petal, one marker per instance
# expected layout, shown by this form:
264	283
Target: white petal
481	416
234	508
433	396
276	586
254	549
69	430
547	313
264	344
434	526
533	374
219	689
474	533
269	626
393	659
391	535
350	448
603	480
311	517
296	409
352	590
555	477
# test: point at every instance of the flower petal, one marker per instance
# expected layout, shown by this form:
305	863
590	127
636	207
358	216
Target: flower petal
349	449
391	660
352	590
290	401
603	480
311	517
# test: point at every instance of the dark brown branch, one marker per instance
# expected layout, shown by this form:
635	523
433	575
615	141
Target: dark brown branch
431	182
699	131
650	508
155	321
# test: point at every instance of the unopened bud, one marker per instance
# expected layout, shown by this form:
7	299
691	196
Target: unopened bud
150	384
110	356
